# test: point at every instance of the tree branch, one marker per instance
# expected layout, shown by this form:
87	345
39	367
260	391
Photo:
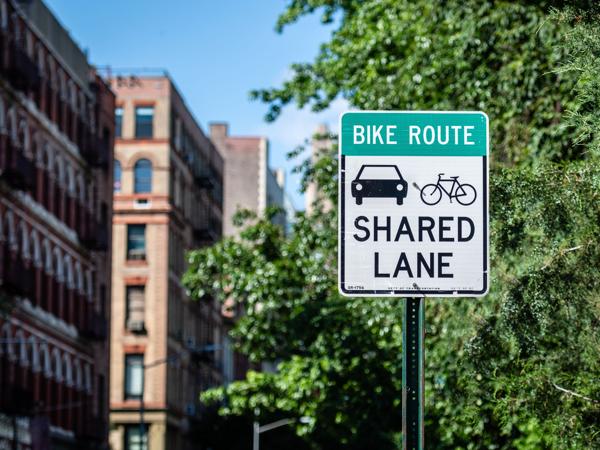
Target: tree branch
574	394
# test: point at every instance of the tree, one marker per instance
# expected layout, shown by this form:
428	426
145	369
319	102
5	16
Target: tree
518	369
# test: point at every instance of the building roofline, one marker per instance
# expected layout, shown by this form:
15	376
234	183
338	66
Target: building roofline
246	137
140	72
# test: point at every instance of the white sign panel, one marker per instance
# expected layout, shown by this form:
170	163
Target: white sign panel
413	204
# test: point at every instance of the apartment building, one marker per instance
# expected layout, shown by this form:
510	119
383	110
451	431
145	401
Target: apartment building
249	181
56	139
320	144
168	196
250	184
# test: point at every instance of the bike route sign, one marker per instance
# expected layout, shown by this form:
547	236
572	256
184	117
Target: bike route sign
413	203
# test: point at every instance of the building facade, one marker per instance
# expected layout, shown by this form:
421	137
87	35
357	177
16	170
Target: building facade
320	144
249	182
252	185
56	139
168	195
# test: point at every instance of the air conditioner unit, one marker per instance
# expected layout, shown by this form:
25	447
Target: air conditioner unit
137	326
136	254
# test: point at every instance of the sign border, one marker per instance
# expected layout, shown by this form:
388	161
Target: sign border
341	222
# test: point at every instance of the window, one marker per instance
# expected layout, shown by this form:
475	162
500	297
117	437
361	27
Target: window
136	242
142	176
143	122
118	122
134	376
134	315
117	176
134	440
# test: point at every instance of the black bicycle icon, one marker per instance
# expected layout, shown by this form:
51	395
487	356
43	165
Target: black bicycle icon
464	193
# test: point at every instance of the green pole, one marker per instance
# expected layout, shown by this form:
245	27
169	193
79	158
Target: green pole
413	389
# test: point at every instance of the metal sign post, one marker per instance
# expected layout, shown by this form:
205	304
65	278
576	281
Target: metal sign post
413	372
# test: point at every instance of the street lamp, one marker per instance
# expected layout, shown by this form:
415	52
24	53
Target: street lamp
258	429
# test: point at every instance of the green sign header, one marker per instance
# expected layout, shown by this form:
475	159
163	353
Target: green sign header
411	133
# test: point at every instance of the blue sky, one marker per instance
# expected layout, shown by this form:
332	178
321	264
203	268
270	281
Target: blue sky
216	51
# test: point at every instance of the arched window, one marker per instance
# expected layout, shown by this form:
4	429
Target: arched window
117	176
41	59
59	171
57	364
67	370
38	151
142	174
10	230
48	157
6	342
12	124
47	257
23	137
34	352
36	250
79	278
78	375
57	266
82	191
46	362
71	181
22	346
89	285
87	371
68	272
24	240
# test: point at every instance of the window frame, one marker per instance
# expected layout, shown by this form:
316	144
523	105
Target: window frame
143	445
117	167
119	121
127	378
130	248
144	130
142	182
128	310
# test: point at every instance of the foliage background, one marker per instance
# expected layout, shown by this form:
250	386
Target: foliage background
517	369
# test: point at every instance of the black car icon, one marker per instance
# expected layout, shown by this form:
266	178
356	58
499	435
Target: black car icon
379	181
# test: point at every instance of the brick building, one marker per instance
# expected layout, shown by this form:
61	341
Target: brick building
56	138
168	194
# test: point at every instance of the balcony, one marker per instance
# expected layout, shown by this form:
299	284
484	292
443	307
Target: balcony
208	227
17	169
96	328
94	235
95	151
204	179
22	71
84	134
206	233
18	278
